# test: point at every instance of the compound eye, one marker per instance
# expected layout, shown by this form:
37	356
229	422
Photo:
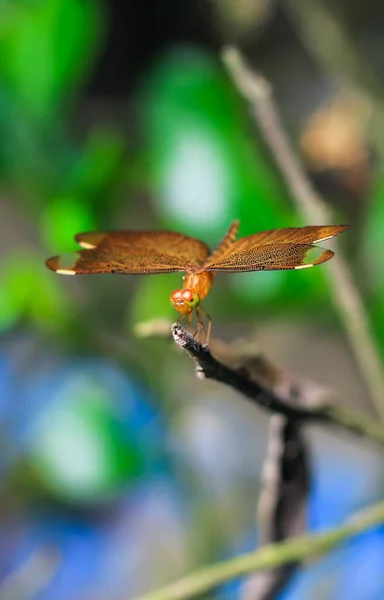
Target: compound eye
176	295
187	295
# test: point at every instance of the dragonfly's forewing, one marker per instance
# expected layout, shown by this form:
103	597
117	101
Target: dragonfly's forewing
132	252
164	242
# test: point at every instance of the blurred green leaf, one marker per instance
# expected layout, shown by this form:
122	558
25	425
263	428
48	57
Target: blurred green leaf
206	168
45	49
372	260
80	450
28	290
376	311
101	156
373	241
62	219
35	154
45	46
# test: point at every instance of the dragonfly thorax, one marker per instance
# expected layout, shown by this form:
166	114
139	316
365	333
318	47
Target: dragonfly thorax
185	301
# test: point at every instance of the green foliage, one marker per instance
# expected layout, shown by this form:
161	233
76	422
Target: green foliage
86	191
62	219
372	257
27	291
46	50
373	243
45	47
98	166
80	451
205	168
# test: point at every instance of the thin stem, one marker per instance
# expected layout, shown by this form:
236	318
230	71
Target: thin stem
312	207
315	21
311	546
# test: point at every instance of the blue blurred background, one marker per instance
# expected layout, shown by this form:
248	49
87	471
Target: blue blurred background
119	470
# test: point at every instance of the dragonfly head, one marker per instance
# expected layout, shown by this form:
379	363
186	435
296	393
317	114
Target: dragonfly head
185	301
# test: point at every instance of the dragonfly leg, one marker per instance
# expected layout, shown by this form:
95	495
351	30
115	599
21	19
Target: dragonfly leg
200	325
181	318
189	321
209	326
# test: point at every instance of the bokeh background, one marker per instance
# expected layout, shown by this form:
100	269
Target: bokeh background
119	470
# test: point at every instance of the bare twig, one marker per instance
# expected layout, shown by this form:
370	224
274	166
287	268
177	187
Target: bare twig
313	209
207	366
291	388
282	510
311	546
282	506
287	482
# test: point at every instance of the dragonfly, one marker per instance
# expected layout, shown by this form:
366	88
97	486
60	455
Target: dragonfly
157	252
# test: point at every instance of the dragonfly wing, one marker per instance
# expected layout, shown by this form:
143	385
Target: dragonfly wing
311	234
270	257
226	243
132	261
186	249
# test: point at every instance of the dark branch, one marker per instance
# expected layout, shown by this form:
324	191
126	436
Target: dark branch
283	503
207	366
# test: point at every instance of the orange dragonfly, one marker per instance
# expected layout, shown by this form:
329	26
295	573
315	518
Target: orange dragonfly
155	252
